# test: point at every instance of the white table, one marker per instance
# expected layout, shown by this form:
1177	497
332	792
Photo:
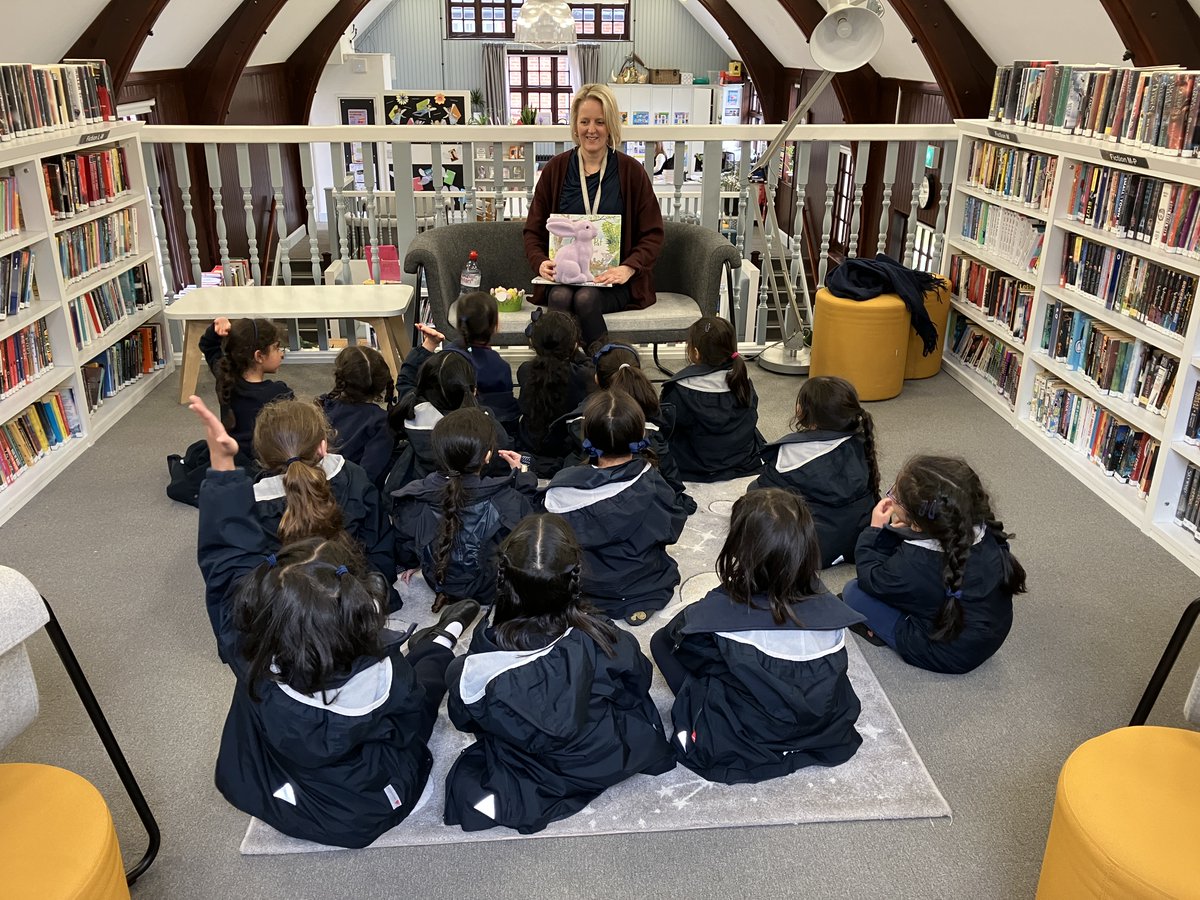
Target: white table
382	306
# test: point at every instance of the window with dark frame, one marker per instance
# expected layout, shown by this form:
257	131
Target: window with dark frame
843	195
542	81
490	19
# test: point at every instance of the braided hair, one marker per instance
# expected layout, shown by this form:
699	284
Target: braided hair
246	338
829	403
287	439
462	442
539	591
945	498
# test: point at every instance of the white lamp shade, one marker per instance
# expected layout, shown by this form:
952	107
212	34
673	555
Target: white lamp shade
846	38
547	23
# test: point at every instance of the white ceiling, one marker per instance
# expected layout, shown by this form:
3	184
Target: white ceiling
709	24
291	26
43	31
181	32
1071	31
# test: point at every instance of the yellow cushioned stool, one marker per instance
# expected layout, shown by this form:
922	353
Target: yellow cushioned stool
1127	818
863	341
58	837
937	305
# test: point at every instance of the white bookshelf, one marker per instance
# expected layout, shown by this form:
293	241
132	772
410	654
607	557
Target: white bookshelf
1154	512
39	233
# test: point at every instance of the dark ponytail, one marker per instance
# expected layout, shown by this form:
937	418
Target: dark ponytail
361	375
829	403
715	344
477	316
554	337
246	337
446	380
613	426
618	366
462	440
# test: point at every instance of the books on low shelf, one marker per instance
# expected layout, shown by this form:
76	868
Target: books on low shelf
41	427
10	206
1003	232
138	353
986	354
86	248
94	312
1002	297
236	274
24	356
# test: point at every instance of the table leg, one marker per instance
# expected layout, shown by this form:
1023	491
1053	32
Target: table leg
193	330
387	346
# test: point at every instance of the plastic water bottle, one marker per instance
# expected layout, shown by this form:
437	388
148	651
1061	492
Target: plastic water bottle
469	280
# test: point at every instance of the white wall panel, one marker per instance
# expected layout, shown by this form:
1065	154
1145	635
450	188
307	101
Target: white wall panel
1071	31
291	25
43	31
181	32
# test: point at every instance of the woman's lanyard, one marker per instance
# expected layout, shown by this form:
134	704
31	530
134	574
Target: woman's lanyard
589	207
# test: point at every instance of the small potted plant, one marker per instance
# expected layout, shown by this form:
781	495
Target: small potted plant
528	115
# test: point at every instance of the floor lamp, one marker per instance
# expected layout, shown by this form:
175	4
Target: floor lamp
848	37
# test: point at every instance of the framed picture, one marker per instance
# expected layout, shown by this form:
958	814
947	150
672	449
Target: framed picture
426	107
356	111
518	173
484	150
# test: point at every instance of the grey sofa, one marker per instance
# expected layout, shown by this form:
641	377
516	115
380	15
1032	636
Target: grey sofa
687	278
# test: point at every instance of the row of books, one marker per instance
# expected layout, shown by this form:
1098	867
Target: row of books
138	353
10	206
1128	283
94	312
18	288
1187	509
24	356
236	274
987	355
89	247
1020	175
1116	446
1191	432
76	181
40	98
1135	206
1146	109
1003	232
1119	365
39	428
1005	299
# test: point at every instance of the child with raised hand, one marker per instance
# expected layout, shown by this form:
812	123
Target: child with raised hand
241	353
716	409
326	734
430	385
622	512
935	575
758	665
477	317
829	460
558	697
361	379
554	382
451	522
311	492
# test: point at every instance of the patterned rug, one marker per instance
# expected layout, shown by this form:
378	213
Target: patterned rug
884	780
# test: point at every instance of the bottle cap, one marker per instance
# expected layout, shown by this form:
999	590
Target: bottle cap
474	255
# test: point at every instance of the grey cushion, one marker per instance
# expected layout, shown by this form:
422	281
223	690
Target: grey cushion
687	277
1191	708
21	614
18	694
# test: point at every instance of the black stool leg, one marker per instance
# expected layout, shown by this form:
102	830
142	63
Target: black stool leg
658	363
100	723
1163	669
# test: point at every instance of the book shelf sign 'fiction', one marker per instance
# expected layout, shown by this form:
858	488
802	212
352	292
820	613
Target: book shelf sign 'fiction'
1010	136
1125	159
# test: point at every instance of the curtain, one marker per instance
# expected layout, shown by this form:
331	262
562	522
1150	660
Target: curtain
589	64
495	83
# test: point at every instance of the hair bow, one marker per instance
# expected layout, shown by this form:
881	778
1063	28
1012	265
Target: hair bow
591	449
533	318
609	347
638	446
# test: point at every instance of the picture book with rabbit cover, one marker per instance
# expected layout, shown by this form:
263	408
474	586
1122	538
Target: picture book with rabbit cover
605	238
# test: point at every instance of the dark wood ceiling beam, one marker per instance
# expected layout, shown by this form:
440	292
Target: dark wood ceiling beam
213	75
307	62
117	35
770	78
1157	32
961	67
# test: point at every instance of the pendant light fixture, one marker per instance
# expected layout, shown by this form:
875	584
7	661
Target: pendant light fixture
545	23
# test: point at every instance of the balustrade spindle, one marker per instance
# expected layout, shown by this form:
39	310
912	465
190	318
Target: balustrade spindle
154	189
860	177
184	175
910	236
889	180
244	179
213	163
281	229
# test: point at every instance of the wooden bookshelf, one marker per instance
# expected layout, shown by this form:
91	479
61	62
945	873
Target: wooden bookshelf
1154	511
49	311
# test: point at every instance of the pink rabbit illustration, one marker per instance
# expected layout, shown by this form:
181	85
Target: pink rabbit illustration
573	261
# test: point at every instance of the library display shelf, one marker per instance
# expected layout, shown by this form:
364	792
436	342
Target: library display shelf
45	420
1152	498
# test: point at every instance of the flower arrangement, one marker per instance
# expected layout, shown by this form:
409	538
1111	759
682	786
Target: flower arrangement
508	299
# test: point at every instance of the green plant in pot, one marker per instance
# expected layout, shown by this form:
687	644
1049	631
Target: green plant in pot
528	115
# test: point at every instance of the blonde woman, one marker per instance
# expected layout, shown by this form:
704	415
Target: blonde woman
596	177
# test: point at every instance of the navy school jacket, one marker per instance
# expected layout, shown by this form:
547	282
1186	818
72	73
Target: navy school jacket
494	382
658	433
364	514
338	768
624	517
415	459
494	507
363	435
904	570
762	700
829	470
549	452
554	727
714	438
249	397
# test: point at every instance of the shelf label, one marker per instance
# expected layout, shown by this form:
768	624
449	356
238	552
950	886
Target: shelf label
94	138
1010	136
1125	159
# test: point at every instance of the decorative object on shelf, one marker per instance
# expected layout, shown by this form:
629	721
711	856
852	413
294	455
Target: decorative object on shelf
509	299
632	71
528	115
545	23
664	76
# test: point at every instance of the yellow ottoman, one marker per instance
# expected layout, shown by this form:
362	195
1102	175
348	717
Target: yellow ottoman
863	341
937	304
57	837
1126	818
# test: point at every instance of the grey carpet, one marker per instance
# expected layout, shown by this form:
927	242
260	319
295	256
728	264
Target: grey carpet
117	558
884	780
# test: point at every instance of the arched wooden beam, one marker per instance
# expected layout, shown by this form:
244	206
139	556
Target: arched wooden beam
117	35
770	78
961	67
307	62
213	75
858	91
1157	32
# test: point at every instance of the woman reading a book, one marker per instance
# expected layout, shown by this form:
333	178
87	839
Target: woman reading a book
597	179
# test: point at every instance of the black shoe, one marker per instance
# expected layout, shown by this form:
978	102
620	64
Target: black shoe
175	464
464	611
867	634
